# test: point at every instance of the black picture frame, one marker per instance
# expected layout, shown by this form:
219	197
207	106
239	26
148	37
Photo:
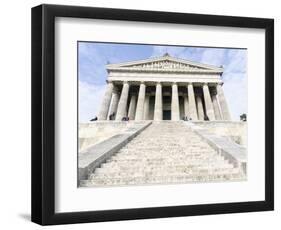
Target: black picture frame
43	114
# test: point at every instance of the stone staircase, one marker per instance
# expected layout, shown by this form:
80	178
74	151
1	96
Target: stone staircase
164	153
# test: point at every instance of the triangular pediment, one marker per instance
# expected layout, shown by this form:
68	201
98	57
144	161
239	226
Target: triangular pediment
166	64
163	63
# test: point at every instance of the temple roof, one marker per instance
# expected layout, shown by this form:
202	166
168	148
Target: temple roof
164	63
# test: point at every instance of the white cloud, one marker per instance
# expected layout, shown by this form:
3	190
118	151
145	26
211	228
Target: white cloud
171	50
90	97
213	56
158	51
237	61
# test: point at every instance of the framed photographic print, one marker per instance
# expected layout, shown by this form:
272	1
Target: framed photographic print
142	114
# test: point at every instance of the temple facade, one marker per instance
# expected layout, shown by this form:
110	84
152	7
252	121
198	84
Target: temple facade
164	88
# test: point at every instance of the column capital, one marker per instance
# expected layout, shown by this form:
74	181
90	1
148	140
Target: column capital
158	83
190	83
174	83
126	82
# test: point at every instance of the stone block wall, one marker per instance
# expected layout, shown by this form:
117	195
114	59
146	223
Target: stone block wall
95	132
236	130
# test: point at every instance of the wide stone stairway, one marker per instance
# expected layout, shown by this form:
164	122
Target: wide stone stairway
166	152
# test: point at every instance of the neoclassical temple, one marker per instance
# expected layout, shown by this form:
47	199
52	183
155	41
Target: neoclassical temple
164	88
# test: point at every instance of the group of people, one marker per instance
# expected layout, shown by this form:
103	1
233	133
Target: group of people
243	117
112	117
186	118
125	118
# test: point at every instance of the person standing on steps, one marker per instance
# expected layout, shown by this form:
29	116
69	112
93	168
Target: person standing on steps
94	119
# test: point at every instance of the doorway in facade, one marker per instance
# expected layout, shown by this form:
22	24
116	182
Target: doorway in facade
166	114
167	106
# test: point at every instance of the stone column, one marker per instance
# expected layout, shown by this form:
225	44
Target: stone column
186	109
216	107
114	103
122	105
132	107
158	109
191	102
200	108
140	105
146	108
175	103
223	104
106	102
208	103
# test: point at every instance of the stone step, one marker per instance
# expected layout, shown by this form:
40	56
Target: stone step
163	179
187	159
165	152
158	143
174	158
164	149
169	148
177	175
194	164
182	157
109	174
167	165
169	140
164	171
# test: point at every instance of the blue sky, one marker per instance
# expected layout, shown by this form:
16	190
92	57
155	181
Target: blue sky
94	56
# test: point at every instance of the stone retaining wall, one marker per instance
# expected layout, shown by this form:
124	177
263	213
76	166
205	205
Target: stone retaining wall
95	132
236	130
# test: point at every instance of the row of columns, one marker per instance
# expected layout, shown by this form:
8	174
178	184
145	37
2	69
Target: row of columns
215	105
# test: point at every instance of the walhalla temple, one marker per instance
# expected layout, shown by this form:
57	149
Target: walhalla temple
162	120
